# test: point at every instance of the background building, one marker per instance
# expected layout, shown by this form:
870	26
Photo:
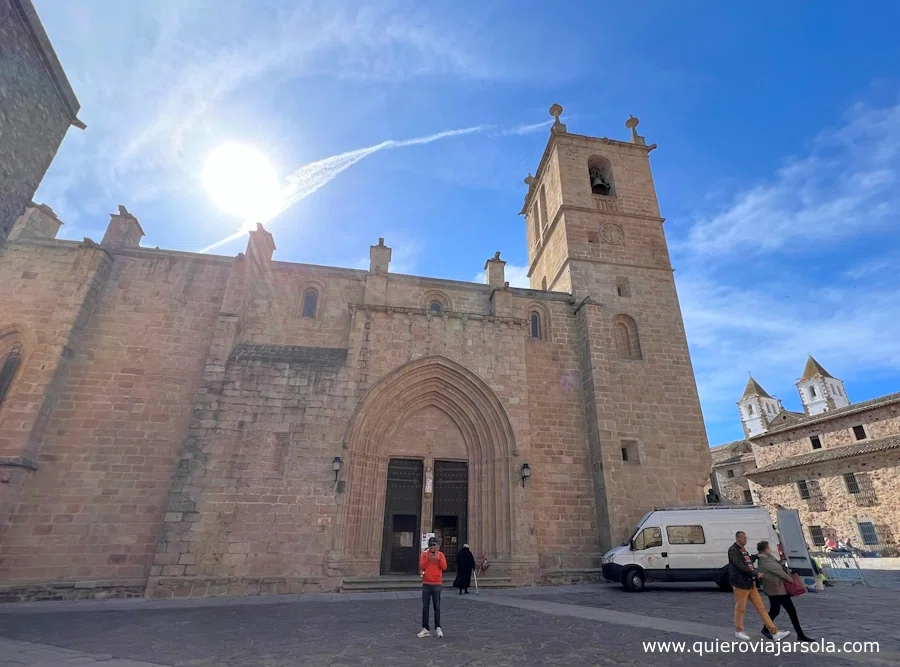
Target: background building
837	462
37	107
187	424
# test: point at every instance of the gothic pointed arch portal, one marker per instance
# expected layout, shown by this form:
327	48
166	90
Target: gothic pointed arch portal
489	440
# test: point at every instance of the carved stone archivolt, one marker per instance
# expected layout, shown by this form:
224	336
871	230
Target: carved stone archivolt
489	439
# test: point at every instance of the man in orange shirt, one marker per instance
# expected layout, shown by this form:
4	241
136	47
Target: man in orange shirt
432	564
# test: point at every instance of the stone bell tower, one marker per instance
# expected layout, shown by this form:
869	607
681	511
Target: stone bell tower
594	230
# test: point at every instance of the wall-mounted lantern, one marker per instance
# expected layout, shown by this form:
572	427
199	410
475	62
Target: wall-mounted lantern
336	466
526	473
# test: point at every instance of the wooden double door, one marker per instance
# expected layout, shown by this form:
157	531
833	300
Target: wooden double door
405	506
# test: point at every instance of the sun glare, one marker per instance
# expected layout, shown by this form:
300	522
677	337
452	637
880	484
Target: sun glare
242	182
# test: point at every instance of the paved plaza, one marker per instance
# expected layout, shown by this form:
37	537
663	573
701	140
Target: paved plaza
571	626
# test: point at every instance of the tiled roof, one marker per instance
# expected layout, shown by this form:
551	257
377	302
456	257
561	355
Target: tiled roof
814	369
853	409
734	460
832	454
753	389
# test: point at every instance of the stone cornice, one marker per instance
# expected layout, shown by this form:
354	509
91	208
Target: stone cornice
402	310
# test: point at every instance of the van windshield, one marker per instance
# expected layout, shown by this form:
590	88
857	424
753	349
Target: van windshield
634	532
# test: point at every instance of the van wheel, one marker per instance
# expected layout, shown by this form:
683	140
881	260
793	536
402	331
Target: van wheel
633	580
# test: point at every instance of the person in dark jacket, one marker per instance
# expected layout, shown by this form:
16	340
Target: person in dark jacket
465	565
742	578
775	574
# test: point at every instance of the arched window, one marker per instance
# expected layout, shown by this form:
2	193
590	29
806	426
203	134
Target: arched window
812	392
544	284
601	177
9	366
436	307
625	333
310	303
536	331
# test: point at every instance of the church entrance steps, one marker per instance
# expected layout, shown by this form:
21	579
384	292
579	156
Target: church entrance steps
412	582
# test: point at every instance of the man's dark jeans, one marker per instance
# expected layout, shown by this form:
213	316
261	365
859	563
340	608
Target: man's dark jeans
431	592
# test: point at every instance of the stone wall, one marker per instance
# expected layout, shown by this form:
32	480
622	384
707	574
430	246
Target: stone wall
878	423
832	507
94	506
36	108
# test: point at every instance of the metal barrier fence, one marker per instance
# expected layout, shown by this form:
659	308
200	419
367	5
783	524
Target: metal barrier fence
839	567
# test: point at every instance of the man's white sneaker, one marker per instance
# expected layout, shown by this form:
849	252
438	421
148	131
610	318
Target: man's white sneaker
439	633
423	633
742	635
781	634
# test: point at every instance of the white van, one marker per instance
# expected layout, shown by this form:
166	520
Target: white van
686	544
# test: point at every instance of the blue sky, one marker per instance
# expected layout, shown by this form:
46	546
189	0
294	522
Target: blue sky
778	127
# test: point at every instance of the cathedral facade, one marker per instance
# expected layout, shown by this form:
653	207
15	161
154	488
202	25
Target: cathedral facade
179	424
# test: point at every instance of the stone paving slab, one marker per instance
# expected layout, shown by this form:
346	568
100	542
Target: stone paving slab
843	613
27	654
54	606
495	631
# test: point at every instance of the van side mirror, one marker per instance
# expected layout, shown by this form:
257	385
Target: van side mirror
631	544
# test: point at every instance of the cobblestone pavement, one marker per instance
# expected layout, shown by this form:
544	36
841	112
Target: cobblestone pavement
840	614
570	626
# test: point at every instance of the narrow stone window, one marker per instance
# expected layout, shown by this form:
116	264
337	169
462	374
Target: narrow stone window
859	432
815	441
625	333
542	202
536	326
630	453
622	287
310	303
812	392
9	366
544	284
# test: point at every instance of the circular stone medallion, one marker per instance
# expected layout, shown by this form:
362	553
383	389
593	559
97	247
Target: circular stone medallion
612	233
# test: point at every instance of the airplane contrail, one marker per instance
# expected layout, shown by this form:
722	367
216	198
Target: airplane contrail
310	177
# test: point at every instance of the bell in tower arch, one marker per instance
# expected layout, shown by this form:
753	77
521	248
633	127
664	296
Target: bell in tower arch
599	185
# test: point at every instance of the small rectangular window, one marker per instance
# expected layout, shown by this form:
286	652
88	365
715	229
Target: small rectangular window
816	443
685	535
817	535
851	483
803	489
859	432
868	532
630	453
730	473
748	496
593	237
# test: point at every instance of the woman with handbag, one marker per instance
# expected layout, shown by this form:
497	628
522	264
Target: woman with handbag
775	577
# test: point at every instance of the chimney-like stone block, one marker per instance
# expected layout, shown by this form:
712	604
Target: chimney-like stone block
495	271
38	222
379	258
124	231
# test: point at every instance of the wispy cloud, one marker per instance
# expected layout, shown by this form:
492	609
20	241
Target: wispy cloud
847	184
745	314
158	84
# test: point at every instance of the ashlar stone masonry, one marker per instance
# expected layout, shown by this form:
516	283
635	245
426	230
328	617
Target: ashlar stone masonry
180	424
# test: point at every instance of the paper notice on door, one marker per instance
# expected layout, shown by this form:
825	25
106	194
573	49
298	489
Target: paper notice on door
425	538
406	540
